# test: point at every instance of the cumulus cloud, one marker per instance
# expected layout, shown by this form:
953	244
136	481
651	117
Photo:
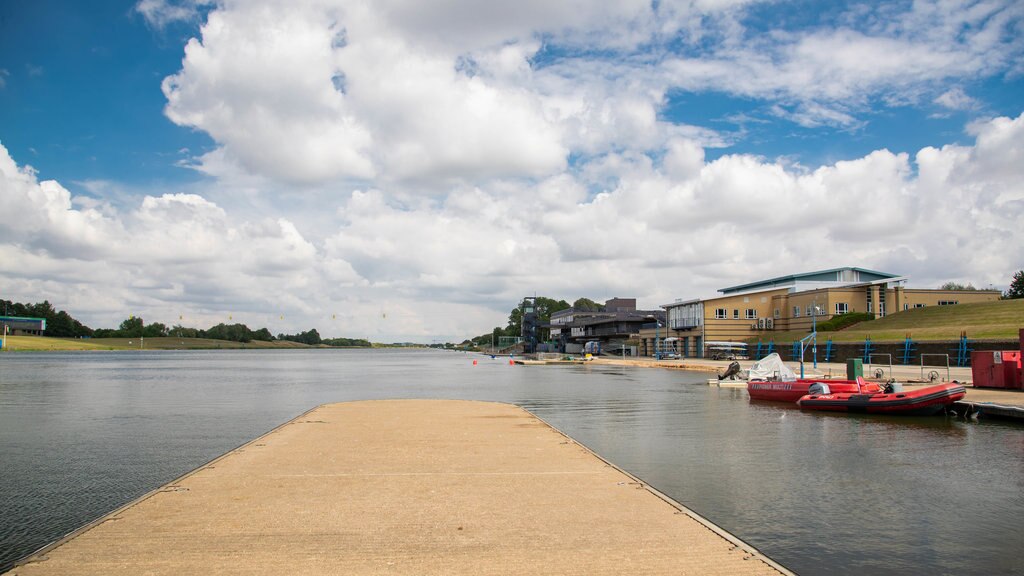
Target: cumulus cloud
330	90
656	227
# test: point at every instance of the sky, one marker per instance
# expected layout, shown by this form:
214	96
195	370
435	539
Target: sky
401	170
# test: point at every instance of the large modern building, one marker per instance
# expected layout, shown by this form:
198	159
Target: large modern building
790	302
615	323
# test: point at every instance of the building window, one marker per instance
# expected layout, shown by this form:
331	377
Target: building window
948	302
735	314
751	314
906	307
810	310
796	311
918	305
720	313
842	308
776	315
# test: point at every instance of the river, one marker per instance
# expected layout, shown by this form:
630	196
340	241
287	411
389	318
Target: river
83	433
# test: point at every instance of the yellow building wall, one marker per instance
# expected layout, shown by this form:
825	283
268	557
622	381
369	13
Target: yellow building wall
731	328
933	297
764	304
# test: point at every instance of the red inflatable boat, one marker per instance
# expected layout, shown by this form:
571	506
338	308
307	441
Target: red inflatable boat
921	401
793	390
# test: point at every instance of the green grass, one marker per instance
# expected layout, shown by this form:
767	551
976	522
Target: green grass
39	343
999	320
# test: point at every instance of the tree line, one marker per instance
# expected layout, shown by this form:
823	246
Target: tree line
60	324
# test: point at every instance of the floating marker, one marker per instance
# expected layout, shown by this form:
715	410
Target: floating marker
474	362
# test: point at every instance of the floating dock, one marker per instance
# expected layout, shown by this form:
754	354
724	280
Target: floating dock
404	487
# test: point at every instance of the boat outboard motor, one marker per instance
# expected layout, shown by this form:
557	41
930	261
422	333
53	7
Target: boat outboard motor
819	388
892	386
731	371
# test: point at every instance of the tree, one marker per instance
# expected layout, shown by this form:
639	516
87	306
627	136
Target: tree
154	330
130	328
586	305
1016	287
957	286
311	337
180	331
233	332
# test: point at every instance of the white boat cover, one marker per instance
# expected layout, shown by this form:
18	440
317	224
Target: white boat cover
771	367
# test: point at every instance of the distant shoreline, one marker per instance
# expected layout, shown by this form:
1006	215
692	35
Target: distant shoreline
47	344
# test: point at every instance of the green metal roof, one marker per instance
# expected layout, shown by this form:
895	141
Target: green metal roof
823	275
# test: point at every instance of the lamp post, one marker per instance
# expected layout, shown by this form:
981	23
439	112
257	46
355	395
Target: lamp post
657	339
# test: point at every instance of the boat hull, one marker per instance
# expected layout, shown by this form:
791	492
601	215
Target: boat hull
922	401
779	391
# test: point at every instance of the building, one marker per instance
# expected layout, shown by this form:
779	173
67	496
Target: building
615	323
794	302
22	326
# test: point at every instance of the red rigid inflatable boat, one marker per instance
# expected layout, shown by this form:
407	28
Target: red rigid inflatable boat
793	390
921	401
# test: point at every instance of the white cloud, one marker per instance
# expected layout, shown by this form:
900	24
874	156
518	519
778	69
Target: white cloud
432	93
659	228
956	99
160	13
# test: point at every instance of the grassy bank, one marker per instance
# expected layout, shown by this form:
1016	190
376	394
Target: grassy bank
999	320
40	343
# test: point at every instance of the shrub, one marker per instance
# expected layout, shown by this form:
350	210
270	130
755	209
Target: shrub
844	321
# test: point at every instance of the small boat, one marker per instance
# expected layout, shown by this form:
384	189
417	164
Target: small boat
793	390
921	401
771	379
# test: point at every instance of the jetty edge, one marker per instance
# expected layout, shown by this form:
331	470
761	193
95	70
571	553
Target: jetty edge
404	487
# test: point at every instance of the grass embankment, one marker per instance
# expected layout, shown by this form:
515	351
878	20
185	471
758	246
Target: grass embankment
999	320
41	343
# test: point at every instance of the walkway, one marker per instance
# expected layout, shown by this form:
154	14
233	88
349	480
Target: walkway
404	487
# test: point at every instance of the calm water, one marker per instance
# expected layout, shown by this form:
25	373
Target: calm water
83	433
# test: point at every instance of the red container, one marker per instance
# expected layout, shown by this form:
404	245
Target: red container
987	369
1012	369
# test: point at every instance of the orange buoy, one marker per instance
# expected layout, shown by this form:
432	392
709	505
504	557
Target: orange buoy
474	362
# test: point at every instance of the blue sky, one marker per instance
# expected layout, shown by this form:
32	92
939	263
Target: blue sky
82	97
198	159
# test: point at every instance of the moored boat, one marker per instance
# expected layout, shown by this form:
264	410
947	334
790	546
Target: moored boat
793	390
921	401
771	379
